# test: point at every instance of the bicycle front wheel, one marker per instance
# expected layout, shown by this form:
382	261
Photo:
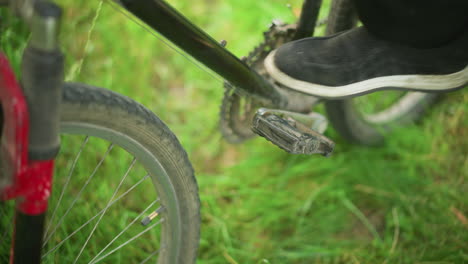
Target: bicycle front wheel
124	190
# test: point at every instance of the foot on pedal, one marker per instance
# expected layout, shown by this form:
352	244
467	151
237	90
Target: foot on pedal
290	135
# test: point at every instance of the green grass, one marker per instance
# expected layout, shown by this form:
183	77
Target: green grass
405	202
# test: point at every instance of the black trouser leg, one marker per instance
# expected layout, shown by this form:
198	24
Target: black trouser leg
417	23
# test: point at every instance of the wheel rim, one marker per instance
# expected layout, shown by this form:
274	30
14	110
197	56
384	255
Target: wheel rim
386	107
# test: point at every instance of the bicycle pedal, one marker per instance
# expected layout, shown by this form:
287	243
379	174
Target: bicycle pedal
290	135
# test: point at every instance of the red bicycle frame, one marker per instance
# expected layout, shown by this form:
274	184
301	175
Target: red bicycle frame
31	180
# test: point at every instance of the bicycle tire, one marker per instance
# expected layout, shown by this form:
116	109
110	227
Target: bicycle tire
91	105
108	116
344	115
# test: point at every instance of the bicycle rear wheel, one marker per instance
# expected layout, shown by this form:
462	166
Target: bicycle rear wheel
119	165
366	119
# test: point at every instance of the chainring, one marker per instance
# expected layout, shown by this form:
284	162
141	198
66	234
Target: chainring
237	110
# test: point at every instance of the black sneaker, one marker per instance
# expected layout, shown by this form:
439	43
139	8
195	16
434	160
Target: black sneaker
354	62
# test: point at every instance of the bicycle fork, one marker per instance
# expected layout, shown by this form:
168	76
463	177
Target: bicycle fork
30	139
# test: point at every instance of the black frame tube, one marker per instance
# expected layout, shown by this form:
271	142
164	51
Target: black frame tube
163	18
29	230
308	19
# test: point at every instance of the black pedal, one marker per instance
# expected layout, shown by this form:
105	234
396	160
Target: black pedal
291	135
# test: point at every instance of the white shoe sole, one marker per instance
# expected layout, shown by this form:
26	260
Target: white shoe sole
425	83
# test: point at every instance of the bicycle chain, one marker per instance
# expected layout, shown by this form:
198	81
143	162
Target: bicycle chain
235	115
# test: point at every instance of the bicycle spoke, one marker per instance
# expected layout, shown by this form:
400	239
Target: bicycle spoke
123	231
130	240
150	256
92	218
72	169
105	210
79	193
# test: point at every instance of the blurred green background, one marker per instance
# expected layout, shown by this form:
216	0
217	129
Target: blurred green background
404	202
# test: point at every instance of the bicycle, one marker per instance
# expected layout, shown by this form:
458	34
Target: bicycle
85	110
